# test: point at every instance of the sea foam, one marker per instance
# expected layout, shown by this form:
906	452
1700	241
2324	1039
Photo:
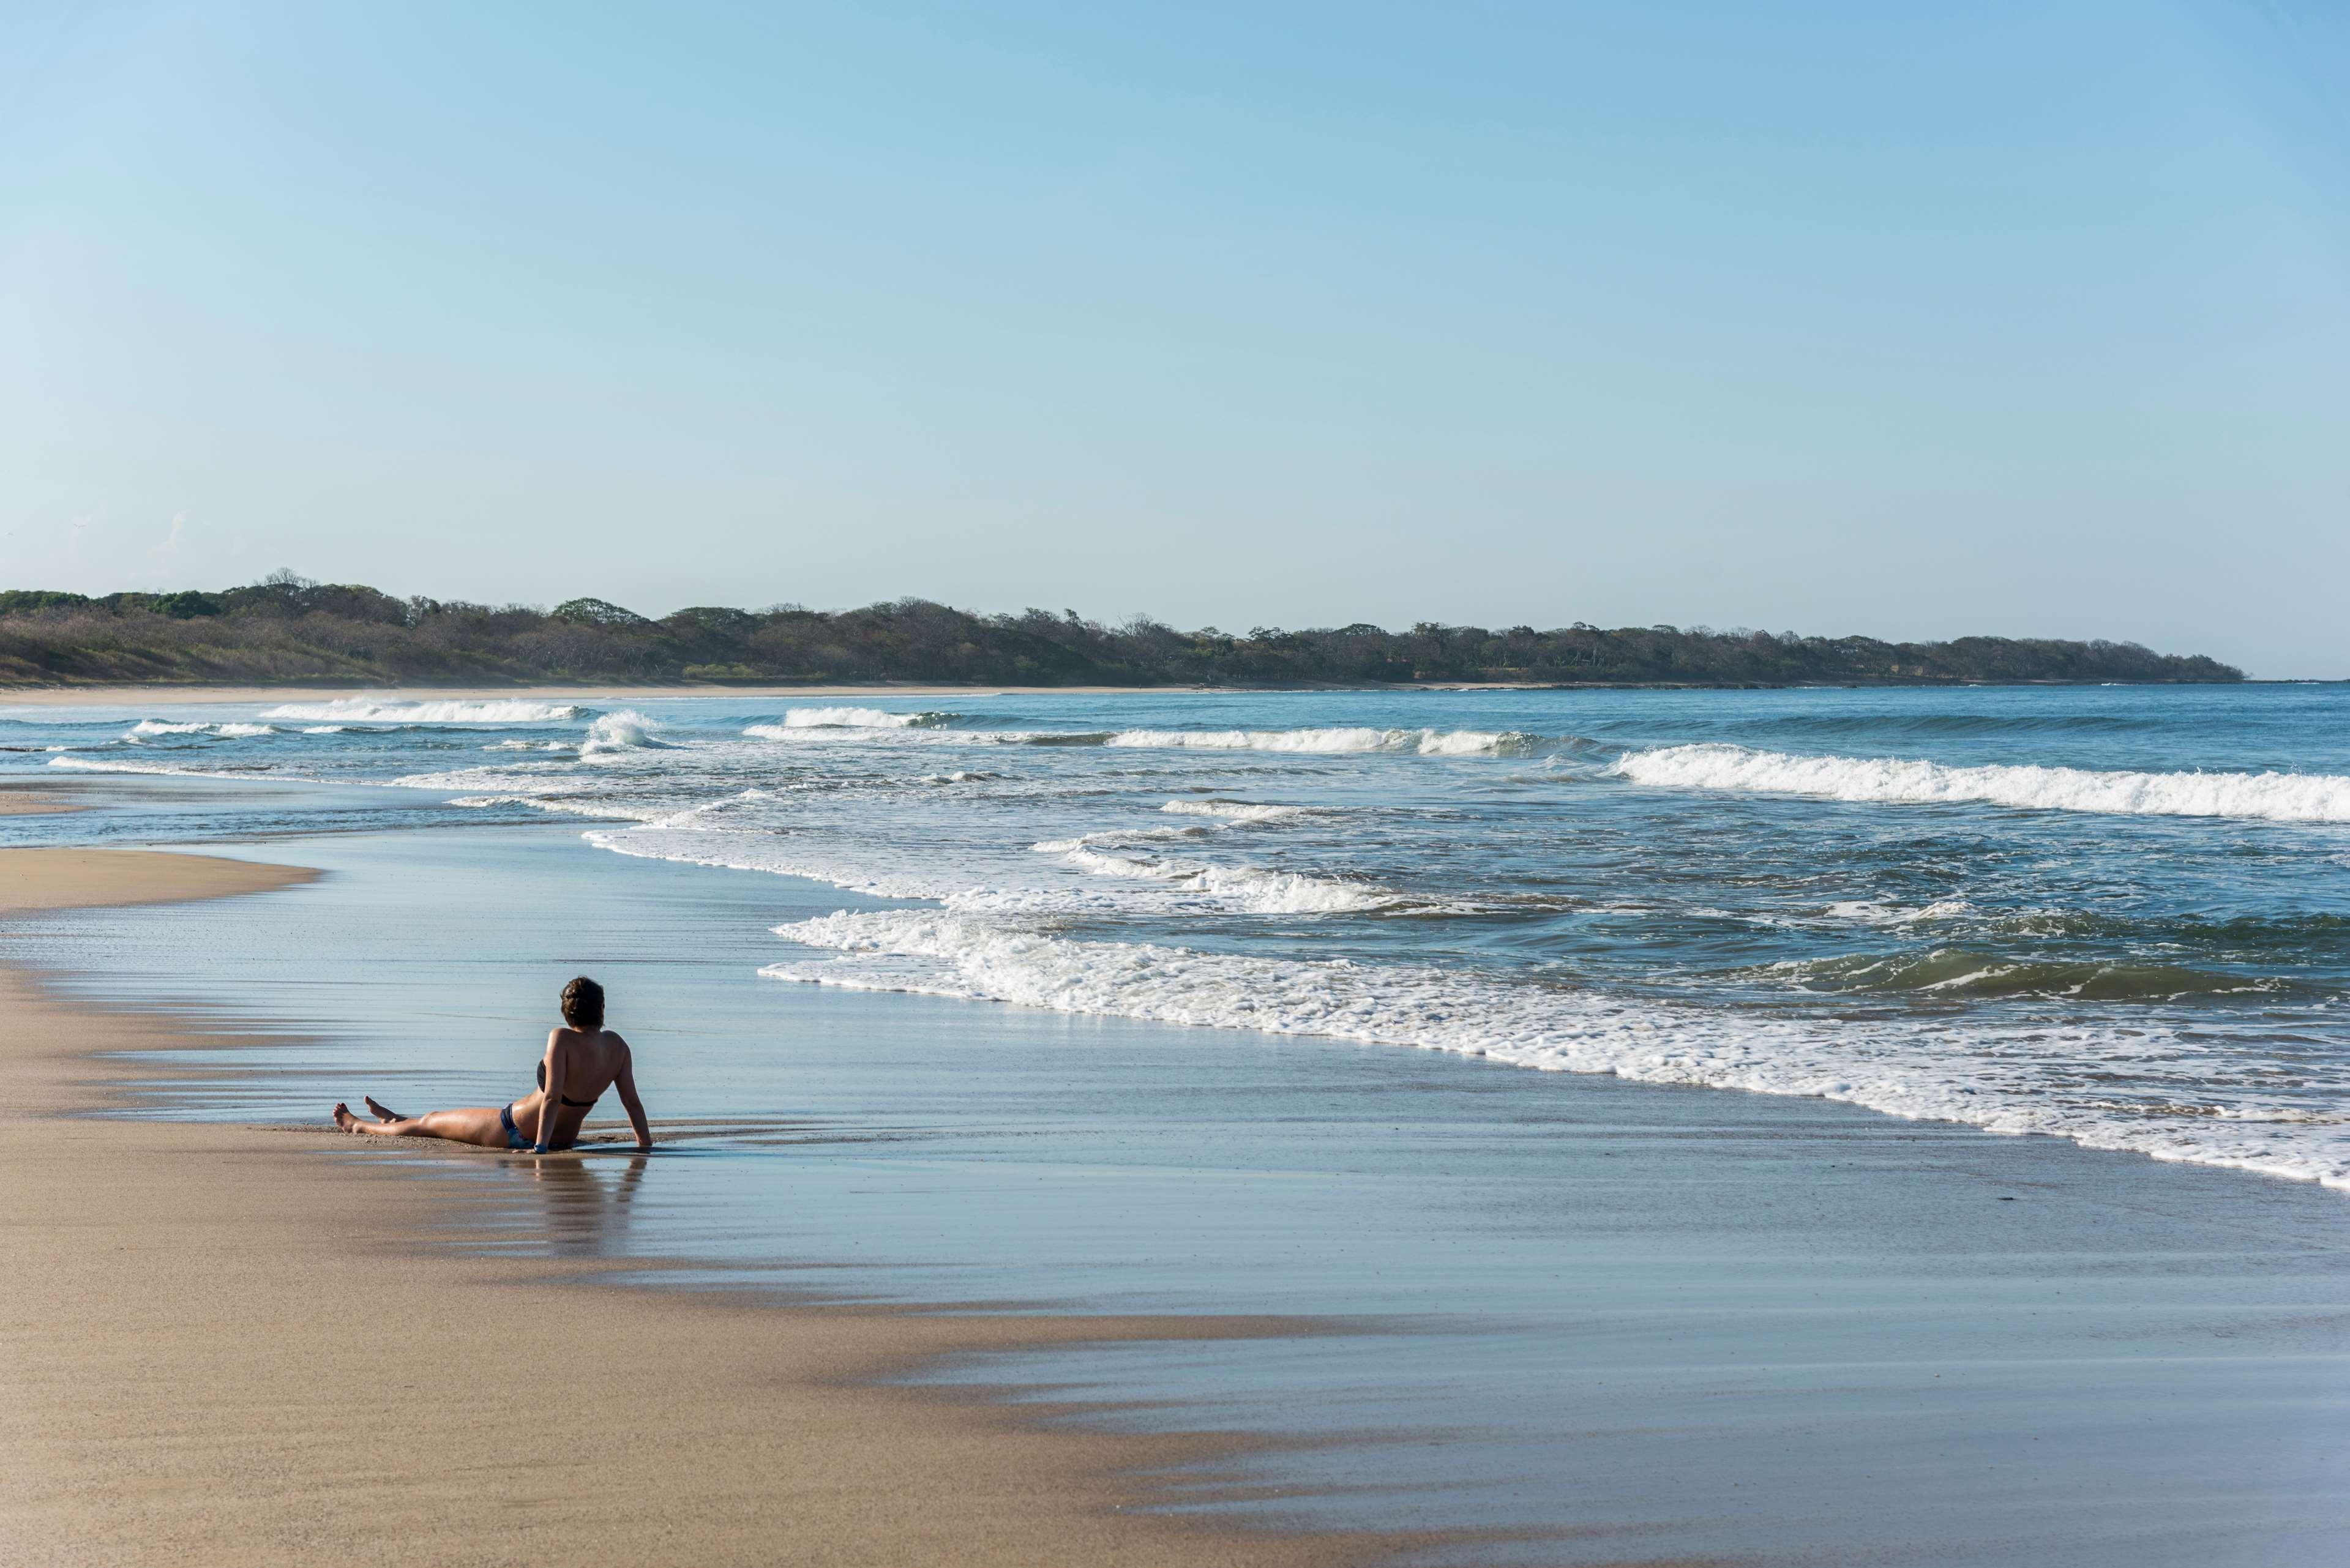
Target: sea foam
2271	796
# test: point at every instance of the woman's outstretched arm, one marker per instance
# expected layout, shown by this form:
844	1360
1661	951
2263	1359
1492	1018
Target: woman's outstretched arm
627	1084
553	1062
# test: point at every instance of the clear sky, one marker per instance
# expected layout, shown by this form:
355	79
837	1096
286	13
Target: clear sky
1904	319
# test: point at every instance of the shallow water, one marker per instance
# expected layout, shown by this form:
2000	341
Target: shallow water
1663	1320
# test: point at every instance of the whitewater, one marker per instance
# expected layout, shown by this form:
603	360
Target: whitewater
2270	795
1998	1083
2120	917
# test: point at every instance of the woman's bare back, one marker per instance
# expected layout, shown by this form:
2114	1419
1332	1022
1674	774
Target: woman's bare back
579	1065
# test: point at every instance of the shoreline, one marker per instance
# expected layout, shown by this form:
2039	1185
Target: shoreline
1709	1328
231	1346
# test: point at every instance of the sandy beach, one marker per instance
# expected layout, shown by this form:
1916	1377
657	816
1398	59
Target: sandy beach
231	1344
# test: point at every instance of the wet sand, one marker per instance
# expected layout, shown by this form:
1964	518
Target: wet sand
236	1344
17	801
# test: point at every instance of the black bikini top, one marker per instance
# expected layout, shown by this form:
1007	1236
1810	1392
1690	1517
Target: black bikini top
575	1105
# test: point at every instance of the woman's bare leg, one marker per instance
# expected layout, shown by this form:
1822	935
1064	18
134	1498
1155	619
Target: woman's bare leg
477	1125
380	1111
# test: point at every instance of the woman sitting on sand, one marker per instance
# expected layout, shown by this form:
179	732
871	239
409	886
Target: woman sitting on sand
581	1062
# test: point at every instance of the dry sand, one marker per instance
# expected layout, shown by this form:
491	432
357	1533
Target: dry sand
243	1346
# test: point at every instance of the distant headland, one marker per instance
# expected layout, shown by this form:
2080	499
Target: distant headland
287	629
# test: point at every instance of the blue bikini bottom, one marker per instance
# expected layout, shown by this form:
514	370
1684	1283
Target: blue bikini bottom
515	1140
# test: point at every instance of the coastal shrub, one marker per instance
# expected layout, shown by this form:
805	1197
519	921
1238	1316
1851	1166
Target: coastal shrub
598	612
287	627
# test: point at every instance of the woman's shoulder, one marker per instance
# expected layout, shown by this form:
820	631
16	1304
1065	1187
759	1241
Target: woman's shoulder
564	1036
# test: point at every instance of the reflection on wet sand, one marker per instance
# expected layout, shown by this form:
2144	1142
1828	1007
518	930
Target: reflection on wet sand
577	1203
583	1206
738	1132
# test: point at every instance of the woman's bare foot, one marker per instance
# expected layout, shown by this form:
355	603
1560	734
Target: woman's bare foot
380	1111
344	1119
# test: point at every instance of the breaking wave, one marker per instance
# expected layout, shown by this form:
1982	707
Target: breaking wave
148	729
1251	888
625	731
2268	796
1056	738
376	711
1960	973
1422	742
561	804
113	765
847	719
1233	810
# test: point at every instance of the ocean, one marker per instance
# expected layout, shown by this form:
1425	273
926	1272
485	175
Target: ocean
2119	915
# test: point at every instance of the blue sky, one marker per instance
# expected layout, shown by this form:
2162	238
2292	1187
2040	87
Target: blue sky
1908	320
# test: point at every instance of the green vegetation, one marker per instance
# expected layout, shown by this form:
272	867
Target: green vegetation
287	629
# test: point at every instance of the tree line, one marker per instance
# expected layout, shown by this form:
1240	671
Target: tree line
288	629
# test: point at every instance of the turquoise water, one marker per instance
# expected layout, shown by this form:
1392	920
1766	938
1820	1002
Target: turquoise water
1664	1319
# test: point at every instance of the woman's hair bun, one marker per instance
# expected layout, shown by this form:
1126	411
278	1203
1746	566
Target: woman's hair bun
583	1004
